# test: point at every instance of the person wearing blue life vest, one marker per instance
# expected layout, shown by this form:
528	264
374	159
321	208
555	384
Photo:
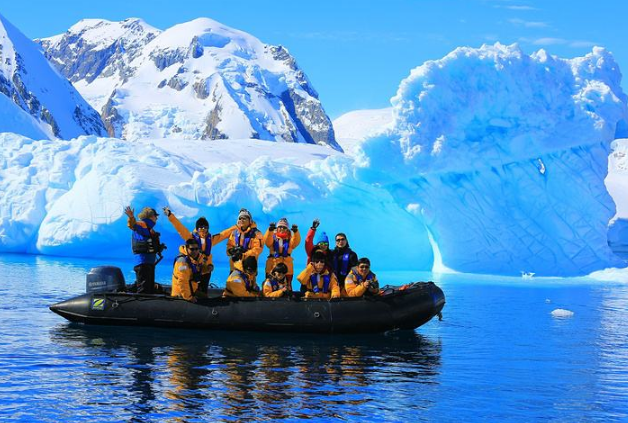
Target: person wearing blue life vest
146	246
205	241
281	241
187	272
342	259
245	240
361	281
317	280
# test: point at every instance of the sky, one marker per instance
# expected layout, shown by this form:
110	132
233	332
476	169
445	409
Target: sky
356	53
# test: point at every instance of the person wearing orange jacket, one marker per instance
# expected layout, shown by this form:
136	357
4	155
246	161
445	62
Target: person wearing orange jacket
317	280
186	275
276	284
281	241
241	282
245	240
361	281
205	241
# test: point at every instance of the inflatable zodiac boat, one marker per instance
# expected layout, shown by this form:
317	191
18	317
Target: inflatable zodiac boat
397	308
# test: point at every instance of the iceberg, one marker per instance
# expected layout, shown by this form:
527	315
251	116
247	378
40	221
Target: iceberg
503	156
66	198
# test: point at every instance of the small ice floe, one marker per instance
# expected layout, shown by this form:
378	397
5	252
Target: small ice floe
527	275
547	301
561	313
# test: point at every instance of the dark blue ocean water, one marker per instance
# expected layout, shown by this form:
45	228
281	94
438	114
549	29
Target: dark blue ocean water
498	355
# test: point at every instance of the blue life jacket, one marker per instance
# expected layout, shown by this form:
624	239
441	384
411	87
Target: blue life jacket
208	243
274	284
286	247
314	282
340	263
196	268
145	242
359	279
245	277
247	238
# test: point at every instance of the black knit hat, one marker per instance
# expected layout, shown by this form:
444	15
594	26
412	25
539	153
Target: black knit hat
202	223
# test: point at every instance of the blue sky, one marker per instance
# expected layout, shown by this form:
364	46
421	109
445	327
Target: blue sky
356	52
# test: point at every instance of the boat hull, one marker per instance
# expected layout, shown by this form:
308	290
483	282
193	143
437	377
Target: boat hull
398	309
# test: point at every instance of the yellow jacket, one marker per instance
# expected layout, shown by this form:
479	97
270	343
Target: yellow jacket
185	277
206	260
267	289
255	244
305	277
269	241
236	284
354	283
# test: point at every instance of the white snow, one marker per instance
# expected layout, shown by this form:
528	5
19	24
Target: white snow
18	121
358	125
21	60
560	313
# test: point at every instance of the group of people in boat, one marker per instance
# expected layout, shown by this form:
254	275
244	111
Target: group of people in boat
329	273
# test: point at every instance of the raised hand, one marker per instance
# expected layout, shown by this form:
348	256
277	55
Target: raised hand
315	223
294	228
167	211
129	211
272	226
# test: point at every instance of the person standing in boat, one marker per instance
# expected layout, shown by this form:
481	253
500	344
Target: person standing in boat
361	281
205	241
281	241
317	280
146	245
277	282
342	259
187	272
245	240
241	282
321	243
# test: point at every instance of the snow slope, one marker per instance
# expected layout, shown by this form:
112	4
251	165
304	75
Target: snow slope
354	127
67	197
504	156
29	81
196	80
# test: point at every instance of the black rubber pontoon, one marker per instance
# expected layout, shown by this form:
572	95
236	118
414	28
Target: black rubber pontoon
396	309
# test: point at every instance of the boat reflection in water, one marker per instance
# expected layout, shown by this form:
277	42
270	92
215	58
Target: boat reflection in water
191	375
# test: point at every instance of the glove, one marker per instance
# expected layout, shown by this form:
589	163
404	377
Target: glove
294	228
167	211
315	223
272	226
235	253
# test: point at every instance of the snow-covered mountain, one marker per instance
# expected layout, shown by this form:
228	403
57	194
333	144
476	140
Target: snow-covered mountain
196	80
36	100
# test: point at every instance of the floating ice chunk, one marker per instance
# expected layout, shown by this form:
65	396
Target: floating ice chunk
561	313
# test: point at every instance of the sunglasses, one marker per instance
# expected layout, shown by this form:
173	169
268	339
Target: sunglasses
243	218
364	266
340	239
202	228
319	261
324	243
282	227
193	248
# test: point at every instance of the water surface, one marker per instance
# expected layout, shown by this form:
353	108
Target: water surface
497	355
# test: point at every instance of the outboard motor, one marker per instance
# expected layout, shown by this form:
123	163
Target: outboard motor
103	279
